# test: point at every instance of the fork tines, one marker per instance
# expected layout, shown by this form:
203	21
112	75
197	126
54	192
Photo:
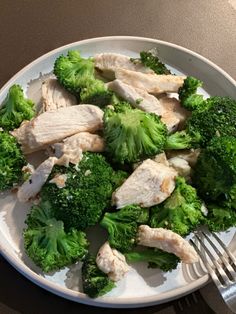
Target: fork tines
219	261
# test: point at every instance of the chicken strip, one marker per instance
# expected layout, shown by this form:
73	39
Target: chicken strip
190	155
31	187
54	96
107	63
72	148
111	262
150	184
168	241
151	83
53	126
138	98
181	166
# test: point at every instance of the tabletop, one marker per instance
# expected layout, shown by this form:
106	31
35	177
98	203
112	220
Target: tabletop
32	28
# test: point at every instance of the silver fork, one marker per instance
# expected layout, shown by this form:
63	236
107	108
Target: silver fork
220	263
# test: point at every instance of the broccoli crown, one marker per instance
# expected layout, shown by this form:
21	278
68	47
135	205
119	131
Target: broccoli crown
151	60
218	119
132	134
47	243
188	89
15	109
122	226
215	171
156	258
77	75
87	193
182	140
220	218
11	161
95	282
181	212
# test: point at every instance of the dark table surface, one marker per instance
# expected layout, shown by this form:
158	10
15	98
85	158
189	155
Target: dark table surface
29	29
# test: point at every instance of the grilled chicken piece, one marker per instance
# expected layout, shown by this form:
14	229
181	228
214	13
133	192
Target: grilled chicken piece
72	148
161	158
111	262
181	166
31	187
150	184
190	156
151	83
138	98
55	96
53	126
173	107
59	180
107	63
168	241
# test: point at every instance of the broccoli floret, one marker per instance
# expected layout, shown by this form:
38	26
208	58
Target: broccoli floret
215	171
95	282
47	243
118	178
133	134
87	193
150	60
77	75
182	140
220	218
156	258
15	109
218	119
11	161
181	212
122	226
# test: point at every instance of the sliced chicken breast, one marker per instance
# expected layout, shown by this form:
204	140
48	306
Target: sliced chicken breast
54	96
107	63
168	241
151	83
111	262
190	155
150	184
31	187
53	126
181	166
138	98
72	148
161	158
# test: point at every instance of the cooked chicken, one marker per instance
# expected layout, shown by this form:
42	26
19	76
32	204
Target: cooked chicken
55	96
107	63
59	180
53	126
111	262
138	98
168	241
31	187
190	156
181	166
161	158
150	184
72	148
172	106
151	83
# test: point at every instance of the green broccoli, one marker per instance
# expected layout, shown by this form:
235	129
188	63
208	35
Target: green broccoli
47	243
122	226
15	109
220	218
156	258
150	60
181	212
87	193
95	282
77	75
215	171
132	134
11	161
182	140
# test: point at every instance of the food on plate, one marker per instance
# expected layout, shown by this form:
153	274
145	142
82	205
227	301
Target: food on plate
130	149
15	108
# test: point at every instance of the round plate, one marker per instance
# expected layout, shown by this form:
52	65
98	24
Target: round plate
141	286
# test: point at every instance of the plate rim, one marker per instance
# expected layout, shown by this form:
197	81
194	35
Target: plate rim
79	296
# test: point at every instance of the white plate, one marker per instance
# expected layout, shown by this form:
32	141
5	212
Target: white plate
142	286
